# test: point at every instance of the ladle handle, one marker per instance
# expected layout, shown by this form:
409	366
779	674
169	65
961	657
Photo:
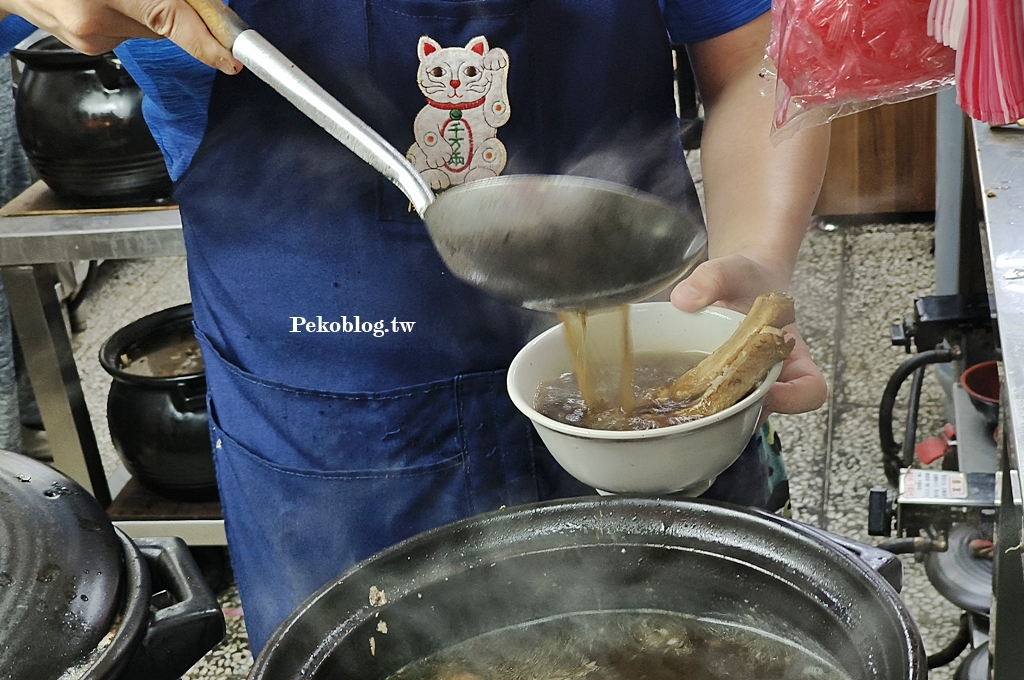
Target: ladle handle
222	21
275	69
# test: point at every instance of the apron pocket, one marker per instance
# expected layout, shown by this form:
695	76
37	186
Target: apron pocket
394	30
290	531
304	430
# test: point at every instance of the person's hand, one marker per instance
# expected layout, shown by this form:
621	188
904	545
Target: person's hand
734	281
98	26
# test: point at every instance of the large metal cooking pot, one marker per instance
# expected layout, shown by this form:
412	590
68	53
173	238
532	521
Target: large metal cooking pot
585	555
80	600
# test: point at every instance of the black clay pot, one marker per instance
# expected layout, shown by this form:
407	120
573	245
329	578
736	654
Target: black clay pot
80	121
79	599
158	423
523	567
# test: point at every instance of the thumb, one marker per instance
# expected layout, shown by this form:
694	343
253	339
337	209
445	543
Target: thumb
183	25
706	285
732	280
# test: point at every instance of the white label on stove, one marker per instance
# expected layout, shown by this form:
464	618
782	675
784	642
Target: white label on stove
921	484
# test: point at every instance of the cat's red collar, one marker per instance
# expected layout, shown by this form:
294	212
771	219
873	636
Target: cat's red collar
461	106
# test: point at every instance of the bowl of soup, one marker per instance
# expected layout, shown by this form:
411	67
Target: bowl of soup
672	456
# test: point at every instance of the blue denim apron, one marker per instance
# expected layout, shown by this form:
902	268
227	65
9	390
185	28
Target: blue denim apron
330	446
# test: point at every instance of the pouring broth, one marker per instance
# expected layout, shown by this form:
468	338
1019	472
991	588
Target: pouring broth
609	394
624	645
562	399
611	387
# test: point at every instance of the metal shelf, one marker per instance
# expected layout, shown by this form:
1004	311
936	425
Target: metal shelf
37	230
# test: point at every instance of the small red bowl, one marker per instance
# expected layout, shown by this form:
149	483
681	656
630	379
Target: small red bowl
981	383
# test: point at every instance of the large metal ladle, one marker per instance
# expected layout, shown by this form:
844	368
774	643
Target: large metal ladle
545	242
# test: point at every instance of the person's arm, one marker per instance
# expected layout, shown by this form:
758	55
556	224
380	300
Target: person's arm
98	26
758	197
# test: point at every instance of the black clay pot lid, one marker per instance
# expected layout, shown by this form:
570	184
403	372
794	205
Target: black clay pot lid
61	569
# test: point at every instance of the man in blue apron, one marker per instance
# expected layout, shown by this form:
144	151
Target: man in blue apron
356	389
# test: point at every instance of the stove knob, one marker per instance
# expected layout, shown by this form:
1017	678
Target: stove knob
880	512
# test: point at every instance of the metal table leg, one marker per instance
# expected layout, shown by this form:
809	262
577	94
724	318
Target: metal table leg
1007	627
39	320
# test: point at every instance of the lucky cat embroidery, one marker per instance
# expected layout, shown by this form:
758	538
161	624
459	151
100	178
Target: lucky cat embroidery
467	101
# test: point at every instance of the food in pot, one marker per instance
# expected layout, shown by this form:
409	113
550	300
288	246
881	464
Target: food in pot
735	368
170	356
79	670
670	389
562	399
624	645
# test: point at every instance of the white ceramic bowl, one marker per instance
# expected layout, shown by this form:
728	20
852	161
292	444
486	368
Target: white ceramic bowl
682	458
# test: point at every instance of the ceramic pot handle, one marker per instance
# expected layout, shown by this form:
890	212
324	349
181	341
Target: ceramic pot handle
222	21
189	398
186	619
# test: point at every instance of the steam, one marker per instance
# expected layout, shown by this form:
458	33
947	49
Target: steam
639	157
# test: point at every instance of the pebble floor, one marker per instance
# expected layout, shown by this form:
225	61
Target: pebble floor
850	283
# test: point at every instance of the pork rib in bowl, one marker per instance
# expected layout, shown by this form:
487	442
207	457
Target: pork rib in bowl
682	458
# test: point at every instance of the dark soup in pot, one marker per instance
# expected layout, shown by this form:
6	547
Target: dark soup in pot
624	645
171	356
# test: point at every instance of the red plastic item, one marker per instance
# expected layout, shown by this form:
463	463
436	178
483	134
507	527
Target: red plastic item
930	450
990	62
835	57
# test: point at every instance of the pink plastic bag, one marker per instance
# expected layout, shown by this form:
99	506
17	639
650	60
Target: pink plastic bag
835	57
990	61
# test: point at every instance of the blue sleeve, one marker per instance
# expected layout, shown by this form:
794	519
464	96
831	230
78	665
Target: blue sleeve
13	30
177	91
691	21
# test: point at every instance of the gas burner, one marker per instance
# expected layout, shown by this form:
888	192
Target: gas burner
959	576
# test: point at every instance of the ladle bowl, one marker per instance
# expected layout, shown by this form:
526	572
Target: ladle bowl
560	242
544	242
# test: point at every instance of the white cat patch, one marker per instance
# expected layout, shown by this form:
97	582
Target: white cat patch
467	101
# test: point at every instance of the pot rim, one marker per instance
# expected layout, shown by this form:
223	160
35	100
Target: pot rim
60	55
461	545
60	552
134	614
164	320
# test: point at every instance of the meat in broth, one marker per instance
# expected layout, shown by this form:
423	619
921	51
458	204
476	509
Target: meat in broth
638	645
610	389
562	400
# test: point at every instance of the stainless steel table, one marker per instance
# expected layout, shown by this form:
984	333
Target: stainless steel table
998	168
36	231
999	161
